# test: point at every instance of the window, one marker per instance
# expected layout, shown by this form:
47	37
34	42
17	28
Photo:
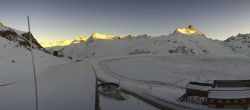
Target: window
219	101
228	101
235	101
211	100
243	100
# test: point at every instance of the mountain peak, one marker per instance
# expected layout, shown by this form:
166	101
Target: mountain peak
102	36
191	27
81	38
190	30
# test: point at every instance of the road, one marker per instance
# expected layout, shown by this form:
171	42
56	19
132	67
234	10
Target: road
154	101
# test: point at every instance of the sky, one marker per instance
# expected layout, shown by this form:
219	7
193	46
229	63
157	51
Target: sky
54	20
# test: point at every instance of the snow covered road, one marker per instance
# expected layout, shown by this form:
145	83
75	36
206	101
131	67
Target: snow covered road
138	89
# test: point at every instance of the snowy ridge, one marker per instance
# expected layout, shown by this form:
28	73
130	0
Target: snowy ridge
18	37
59	43
80	39
100	36
239	43
63	42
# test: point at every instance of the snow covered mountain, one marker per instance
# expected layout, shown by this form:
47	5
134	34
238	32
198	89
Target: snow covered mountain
239	43
55	46
182	41
63	42
59	45
17	38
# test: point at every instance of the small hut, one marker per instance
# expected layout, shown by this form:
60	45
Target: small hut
57	53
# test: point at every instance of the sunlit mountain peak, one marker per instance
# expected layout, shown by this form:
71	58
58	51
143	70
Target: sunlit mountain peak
102	36
189	30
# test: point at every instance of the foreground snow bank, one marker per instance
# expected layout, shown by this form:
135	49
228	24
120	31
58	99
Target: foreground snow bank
63	87
67	87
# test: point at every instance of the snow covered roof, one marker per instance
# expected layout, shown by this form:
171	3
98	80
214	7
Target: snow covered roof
229	94
199	86
231	88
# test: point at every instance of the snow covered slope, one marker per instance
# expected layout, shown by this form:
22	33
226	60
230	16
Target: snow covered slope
15	57
182	41
239	43
18	38
74	50
16	68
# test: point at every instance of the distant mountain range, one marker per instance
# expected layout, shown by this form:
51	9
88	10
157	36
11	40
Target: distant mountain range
188	41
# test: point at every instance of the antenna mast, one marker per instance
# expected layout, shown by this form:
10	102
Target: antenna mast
33	62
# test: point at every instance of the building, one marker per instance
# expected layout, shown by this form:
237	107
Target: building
220	94
57	53
196	92
232	83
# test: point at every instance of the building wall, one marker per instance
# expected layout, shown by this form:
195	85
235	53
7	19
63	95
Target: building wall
197	93
228	103
232	83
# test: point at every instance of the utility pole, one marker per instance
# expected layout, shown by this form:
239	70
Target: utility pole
33	62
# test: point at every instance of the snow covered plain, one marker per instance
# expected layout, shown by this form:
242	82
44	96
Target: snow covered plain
163	78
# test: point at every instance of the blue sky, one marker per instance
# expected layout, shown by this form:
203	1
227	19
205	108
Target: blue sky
53	20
